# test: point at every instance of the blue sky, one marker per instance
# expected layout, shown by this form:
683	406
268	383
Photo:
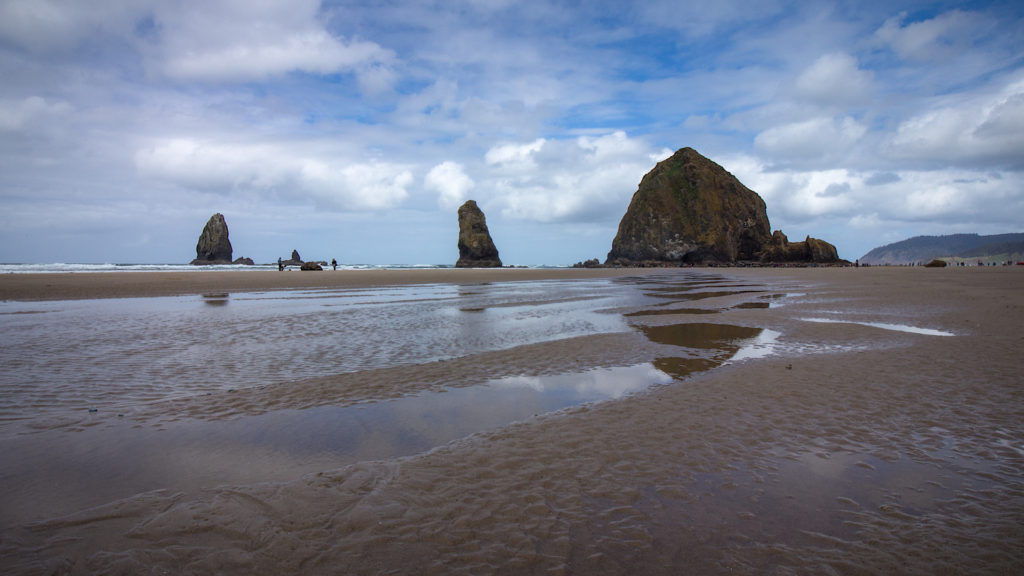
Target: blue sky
355	129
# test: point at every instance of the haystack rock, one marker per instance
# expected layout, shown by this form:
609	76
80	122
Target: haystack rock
476	249
213	246
690	210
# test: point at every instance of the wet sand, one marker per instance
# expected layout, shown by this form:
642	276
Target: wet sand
66	286
864	440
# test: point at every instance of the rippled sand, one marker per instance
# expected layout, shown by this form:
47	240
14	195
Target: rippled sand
782	444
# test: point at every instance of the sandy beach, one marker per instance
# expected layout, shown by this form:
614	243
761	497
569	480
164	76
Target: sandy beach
787	421
63	286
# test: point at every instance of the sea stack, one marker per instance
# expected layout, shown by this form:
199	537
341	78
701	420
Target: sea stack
690	210
476	249
213	246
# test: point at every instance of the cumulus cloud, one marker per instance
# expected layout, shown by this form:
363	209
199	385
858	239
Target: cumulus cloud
232	40
834	80
590	178
984	130
451	184
17	115
48	26
515	157
272	170
932	39
873	204
820	139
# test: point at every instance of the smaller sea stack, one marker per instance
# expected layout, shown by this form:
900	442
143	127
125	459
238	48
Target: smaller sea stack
476	249
213	246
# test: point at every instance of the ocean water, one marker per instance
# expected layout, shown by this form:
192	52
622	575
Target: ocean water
61	267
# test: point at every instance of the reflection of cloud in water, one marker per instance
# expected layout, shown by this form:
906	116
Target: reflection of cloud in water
532	382
762	345
884	326
596	384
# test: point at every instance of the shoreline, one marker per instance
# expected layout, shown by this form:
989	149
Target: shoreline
84	286
36	287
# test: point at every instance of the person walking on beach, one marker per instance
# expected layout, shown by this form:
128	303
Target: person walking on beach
334	264
280	265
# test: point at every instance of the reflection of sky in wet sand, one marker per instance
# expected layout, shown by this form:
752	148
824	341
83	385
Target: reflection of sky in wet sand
884	326
101	464
142	350
119	351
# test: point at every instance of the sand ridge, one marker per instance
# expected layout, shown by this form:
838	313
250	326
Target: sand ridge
65	286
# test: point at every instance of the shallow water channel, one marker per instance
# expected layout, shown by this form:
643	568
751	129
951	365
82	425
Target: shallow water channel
152	350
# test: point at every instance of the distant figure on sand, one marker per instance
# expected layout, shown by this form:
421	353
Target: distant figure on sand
280	265
334	264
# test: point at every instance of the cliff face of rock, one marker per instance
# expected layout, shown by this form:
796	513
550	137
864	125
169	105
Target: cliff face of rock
476	249
689	209
213	246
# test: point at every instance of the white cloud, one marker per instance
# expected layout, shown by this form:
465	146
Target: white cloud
47	26
515	157
276	171
819	139
934	39
449	181
985	130
802	201
835	80
232	40
313	51
590	178
17	115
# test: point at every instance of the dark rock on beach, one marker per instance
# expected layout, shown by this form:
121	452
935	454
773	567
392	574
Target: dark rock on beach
244	261
311	266
295	260
689	209
213	246
476	248
780	249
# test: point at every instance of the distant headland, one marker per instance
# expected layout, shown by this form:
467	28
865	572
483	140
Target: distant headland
952	248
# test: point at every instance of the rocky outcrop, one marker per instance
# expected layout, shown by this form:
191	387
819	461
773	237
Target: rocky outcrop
689	209
295	260
213	246
311	266
244	260
476	249
811	250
